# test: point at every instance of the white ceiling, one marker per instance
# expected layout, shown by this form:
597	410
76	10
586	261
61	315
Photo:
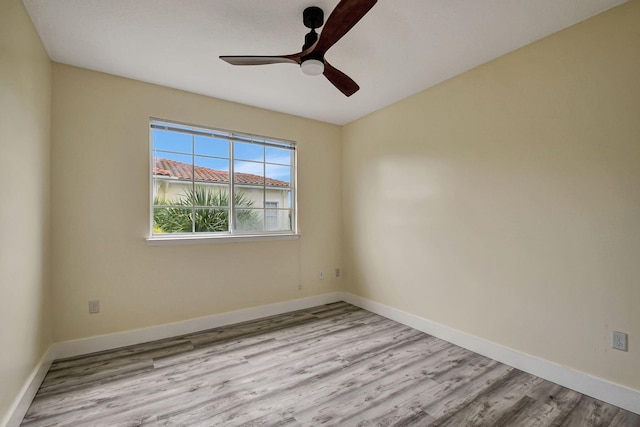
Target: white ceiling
399	48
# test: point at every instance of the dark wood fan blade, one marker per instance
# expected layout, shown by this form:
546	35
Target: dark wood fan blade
340	80
346	14
260	60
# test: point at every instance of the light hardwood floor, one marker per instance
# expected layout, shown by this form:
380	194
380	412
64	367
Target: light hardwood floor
333	365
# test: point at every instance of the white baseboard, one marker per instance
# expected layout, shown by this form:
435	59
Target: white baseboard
21	403
581	382
138	336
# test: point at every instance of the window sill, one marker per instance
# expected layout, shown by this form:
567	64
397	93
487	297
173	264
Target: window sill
194	240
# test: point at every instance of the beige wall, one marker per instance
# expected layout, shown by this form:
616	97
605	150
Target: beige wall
25	101
100	209
505	202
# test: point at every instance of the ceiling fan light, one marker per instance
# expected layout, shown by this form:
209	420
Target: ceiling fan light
312	67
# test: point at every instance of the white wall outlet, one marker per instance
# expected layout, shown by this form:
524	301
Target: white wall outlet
94	306
321	275
337	272
619	341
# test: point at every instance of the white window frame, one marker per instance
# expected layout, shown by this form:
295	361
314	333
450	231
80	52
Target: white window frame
231	235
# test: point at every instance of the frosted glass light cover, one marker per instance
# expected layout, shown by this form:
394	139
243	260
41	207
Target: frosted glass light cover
312	67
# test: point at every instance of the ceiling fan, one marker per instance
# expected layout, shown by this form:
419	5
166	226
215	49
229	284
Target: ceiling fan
311	59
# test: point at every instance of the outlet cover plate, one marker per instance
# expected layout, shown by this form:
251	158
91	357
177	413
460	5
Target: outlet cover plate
619	341
94	306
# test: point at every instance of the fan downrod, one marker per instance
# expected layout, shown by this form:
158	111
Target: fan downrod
313	17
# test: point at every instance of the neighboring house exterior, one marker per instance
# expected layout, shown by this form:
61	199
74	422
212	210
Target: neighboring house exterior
173	179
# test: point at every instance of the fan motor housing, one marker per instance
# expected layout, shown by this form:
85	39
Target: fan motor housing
313	17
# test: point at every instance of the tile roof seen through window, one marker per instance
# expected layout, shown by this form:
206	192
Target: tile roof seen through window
184	171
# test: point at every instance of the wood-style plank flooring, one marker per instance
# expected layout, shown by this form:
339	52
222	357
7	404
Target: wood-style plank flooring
333	365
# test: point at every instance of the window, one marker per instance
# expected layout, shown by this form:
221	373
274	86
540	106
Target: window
219	183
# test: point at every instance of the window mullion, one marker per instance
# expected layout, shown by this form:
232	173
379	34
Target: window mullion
264	188
193	184
232	189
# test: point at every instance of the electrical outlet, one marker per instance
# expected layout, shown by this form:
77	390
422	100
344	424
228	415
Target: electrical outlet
337	272
619	341
321	275
94	306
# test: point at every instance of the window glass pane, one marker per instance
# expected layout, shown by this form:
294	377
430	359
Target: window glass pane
211	170
169	177
171	141
175	193
249	220
172	220
208	146
206	195
172	164
281	195
248	173
270	216
278	176
278	220
248	197
246	151
211	220
280	156
212	163
172	167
